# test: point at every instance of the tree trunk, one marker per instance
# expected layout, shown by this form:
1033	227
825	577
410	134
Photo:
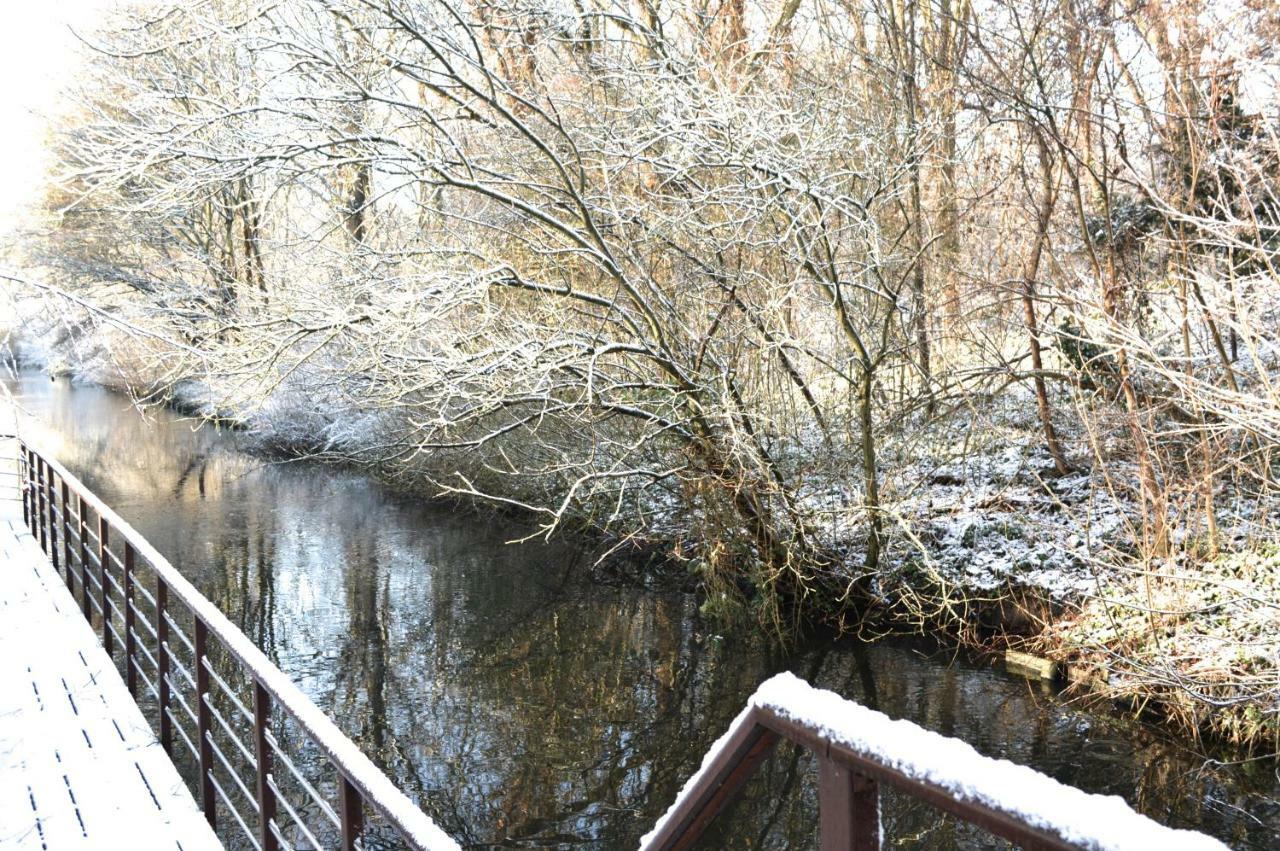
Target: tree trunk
357	199
1029	275
920	322
870	477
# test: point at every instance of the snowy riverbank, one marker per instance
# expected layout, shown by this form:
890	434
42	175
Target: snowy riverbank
984	544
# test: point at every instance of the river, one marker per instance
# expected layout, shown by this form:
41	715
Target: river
524	704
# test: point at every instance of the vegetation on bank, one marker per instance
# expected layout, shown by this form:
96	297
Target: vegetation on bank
971	318
1197	643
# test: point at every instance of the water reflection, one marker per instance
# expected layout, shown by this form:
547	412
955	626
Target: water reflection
524	705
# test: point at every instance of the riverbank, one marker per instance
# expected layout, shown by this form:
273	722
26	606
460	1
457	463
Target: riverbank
986	547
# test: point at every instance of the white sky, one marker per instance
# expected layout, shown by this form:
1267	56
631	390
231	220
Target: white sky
37	56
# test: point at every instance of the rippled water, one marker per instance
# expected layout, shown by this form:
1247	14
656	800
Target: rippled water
526	706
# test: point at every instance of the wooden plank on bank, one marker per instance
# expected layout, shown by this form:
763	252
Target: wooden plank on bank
1035	667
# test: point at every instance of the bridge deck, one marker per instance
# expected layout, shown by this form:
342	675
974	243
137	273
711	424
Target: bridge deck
79	765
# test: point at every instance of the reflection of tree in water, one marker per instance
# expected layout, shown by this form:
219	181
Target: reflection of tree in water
239	577
364	656
197	466
553	707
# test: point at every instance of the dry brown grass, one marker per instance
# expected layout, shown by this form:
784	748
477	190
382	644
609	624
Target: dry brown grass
1200	646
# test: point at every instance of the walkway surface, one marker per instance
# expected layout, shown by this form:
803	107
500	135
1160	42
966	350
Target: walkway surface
79	765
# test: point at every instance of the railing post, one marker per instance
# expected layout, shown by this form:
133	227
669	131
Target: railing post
53	519
162	663
351	811
24	473
48	506
66	534
35	497
266	796
103	531
30	492
130	660
207	799
848	808
40	513
82	529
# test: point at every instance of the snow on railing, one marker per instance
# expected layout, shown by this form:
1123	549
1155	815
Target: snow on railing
57	509
858	748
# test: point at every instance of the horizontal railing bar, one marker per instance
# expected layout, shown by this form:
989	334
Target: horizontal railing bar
235	775
283	799
138	618
141	589
176	697
117	614
151	660
116	585
227	690
173	625
231	734
117	635
182	733
150	684
115	558
373	786
737	754
226	799
93	578
278	834
182	669
315	795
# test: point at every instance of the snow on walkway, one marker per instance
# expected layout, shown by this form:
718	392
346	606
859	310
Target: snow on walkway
79	765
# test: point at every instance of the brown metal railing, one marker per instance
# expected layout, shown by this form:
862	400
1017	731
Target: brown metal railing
1012	802
156	625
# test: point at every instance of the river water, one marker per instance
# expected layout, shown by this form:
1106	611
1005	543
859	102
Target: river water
523	704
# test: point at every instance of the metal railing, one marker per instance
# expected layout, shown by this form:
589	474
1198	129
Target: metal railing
239	718
858	750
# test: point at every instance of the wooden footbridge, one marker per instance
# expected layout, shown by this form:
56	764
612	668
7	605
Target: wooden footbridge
133	714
